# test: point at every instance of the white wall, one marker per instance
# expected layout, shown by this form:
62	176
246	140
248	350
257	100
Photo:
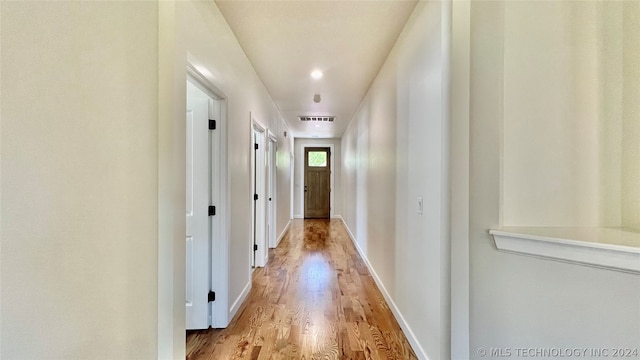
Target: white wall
631	116
550	139
210	44
394	151
568	157
79	212
459	168
171	267
92	212
336	206
284	180
549	143
519	301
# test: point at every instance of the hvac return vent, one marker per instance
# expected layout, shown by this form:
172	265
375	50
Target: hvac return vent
316	118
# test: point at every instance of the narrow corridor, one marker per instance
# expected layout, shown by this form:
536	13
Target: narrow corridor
315	299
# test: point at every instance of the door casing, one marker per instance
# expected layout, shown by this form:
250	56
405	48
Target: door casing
198	223
317	186
219	197
272	187
304	147
258	186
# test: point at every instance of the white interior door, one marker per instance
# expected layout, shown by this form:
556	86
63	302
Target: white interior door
271	189
197	239
259	202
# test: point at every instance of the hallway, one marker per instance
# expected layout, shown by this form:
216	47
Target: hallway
314	299
484	155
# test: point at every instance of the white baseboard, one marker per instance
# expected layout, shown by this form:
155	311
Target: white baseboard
392	305
241	298
302	217
286	228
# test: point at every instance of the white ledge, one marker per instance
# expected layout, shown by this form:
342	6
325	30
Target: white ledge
609	248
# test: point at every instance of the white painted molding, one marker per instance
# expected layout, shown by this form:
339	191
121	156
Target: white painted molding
259	207
238	302
608	248
392	305
221	224
298	217
283	233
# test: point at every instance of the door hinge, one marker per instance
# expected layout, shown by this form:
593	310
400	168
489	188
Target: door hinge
212	124
255	146
255	247
212	210
255	196
212	296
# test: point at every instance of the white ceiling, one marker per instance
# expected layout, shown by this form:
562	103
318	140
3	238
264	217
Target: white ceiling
347	40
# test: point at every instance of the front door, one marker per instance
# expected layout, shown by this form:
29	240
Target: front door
317	183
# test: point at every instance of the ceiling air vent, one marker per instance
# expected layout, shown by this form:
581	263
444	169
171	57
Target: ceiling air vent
316	118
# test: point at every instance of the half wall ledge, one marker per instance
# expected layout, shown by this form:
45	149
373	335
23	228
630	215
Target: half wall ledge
608	248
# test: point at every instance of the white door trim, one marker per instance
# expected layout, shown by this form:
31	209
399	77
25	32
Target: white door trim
272	189
198	223
220	223
258	207
331	180
272	136
292	175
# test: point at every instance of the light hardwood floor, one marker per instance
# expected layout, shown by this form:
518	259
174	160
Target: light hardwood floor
315	299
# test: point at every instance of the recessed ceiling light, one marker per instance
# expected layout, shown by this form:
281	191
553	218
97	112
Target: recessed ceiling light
317	125
316	74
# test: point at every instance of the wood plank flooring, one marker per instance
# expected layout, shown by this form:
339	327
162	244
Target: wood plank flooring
315	299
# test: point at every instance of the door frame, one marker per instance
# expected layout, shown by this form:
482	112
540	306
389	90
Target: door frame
303	148
219	197
200	106
292	176
272	189
258	186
